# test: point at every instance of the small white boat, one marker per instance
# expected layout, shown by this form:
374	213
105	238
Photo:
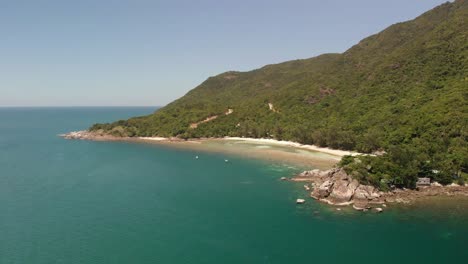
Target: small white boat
300	201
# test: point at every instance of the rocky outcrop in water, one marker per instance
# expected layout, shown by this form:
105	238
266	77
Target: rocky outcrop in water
336	187
77	135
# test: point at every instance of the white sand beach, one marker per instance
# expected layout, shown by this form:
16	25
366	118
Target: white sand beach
330	151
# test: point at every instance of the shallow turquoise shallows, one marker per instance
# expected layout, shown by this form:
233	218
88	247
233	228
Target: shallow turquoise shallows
81	202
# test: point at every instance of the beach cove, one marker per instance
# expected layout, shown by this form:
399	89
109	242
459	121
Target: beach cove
307	156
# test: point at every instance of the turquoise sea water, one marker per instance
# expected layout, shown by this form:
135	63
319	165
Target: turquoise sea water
108	202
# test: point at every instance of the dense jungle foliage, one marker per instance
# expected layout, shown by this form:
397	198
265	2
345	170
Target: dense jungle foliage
402	91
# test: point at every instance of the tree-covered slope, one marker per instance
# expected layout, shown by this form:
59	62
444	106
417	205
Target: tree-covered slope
403	90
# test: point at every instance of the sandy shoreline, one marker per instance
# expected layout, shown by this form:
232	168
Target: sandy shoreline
260	148
335	152
269	141
263	149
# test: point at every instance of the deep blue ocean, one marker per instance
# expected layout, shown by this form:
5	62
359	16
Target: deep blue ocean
64	201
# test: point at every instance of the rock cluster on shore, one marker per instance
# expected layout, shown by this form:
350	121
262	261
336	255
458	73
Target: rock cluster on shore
88	135
336	187
78	135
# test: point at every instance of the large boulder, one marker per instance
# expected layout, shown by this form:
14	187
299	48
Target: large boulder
363	192
343	191
361	197
323	190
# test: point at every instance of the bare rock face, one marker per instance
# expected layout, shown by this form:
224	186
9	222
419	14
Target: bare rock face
375	195
340	175
324	174
343	191
325	189
363	192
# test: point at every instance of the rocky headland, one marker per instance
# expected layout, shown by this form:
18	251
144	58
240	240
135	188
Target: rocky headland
101	135
88	135
336	187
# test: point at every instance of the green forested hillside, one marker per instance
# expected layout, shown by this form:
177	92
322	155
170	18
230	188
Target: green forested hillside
403	90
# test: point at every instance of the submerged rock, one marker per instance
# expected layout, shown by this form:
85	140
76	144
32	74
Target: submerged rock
361	207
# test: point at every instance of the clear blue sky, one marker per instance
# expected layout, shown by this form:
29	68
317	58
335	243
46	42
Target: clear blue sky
134	52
